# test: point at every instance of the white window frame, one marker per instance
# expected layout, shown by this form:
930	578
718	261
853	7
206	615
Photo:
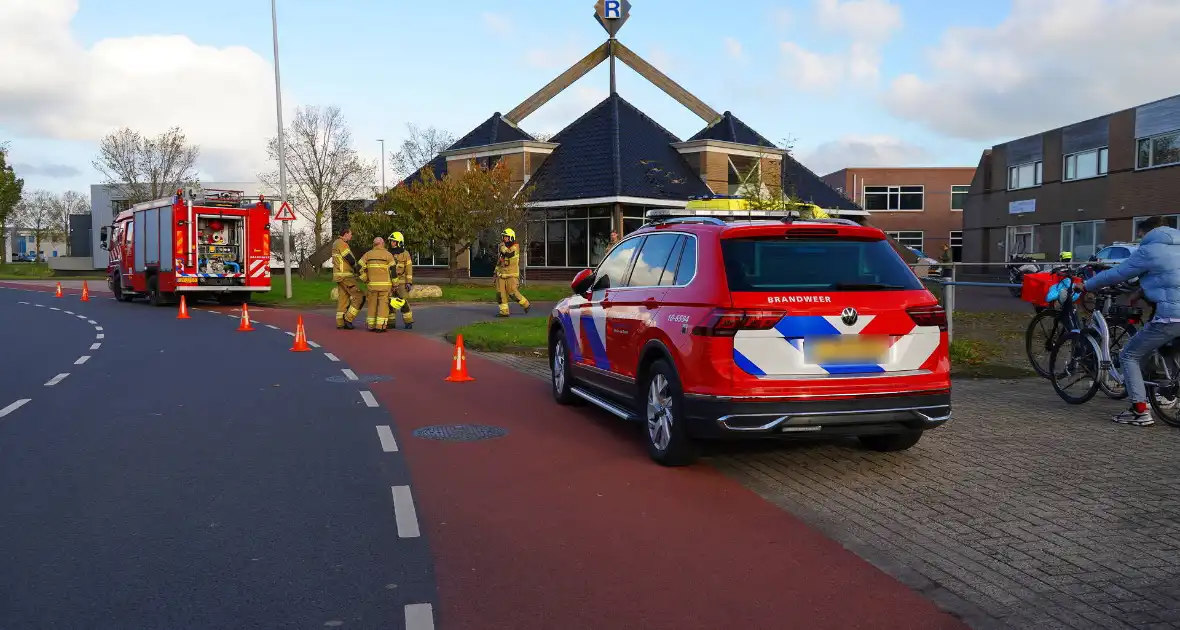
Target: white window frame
901	240
955	239
1135	223
890	193
1038	171
1067	228
965	189
1017	230
1101	159
1150	149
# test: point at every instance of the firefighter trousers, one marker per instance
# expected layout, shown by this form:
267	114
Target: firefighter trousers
509	288
377	317
400	293
348	300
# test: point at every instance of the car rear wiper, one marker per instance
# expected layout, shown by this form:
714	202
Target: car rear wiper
865	286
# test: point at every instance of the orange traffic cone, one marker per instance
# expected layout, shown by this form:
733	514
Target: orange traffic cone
58	292
459	367
300	338
85	292
183	314
244	323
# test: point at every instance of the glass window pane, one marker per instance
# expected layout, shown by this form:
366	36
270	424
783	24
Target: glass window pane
1099	237
1102	157
1012	177
649	265
1165	150
688	262
578	213
599	240
1087	164
959	197
630	225
1144	158
876	201
612	271
1071	167
1037	176
1025	176
668	278
536	236
600	211
579	244
1067	237
555	236
911	200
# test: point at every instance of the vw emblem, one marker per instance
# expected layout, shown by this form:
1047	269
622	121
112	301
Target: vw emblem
849	316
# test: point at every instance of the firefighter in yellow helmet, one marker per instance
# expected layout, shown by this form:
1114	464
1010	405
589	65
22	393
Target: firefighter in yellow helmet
375	266
508	273
348	295
403	281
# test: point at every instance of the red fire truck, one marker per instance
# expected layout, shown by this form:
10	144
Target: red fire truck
203	243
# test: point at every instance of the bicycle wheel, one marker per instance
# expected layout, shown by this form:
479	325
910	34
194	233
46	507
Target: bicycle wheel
1165	398
1038	340
1074	361
1120	333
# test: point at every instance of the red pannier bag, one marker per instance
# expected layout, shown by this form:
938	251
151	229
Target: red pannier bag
1035	287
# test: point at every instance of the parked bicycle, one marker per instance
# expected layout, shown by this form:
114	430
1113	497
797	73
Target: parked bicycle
1087	353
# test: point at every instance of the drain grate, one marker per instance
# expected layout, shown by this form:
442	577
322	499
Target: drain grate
361	378
459	432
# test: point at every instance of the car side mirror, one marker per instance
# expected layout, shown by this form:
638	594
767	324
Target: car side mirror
102	237
581	282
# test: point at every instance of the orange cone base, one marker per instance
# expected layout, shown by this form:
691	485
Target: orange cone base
300	338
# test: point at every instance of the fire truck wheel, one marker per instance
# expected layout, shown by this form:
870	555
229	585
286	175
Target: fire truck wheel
117	289
154	296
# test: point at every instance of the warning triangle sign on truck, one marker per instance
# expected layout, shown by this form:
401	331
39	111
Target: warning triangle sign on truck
285	213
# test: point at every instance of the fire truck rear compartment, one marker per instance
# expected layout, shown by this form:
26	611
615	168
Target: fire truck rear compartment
219	246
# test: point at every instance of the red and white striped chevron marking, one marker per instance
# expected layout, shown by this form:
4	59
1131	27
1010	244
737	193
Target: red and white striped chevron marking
259	268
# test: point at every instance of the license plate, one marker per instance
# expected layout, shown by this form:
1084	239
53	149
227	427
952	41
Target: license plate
846	349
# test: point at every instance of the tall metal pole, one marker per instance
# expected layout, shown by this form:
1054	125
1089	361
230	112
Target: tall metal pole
274	24
382	165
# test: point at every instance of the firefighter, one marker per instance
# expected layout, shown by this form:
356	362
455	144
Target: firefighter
375	266
508	273
348	294
403	281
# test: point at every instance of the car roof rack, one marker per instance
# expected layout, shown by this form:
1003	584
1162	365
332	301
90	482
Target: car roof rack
833	221
669	220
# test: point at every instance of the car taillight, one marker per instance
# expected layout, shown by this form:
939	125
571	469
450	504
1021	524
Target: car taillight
933	315
724	322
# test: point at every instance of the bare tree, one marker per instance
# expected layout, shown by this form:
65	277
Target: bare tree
36	214
417	150
142	168
543	137
11	189
322	165
66	205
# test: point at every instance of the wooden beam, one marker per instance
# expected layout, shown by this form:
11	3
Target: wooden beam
558	85
662	81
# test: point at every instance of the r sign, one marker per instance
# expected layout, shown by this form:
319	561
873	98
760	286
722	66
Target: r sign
612	9
611	14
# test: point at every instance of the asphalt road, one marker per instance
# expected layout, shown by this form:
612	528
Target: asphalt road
186	475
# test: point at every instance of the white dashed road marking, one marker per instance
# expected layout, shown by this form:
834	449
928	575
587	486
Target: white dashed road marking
57	379
272	327
92	322
82	359
99	328
404	513
54	308
100	336
21	403
419	617
96	345
388	443
66	312
350	375
331	357
367	396
313	344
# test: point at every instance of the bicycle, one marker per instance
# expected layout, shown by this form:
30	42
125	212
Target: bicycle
1089	350
1066	318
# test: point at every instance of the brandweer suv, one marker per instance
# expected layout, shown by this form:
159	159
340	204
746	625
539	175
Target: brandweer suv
702	329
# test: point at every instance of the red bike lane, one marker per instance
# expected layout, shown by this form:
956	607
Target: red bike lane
565	523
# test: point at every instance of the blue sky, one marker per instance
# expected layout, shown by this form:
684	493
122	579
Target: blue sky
451	64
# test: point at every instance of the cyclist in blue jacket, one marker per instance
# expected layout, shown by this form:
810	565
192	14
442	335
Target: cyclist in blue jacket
1157	265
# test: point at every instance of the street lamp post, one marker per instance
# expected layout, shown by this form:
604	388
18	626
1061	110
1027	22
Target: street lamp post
382	164
274	24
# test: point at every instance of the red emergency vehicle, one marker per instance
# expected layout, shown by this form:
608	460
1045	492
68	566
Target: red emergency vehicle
203	243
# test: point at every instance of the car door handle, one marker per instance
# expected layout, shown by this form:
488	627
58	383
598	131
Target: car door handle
651	303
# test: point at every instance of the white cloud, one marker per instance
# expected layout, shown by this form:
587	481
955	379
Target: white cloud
1050	63
863	151
496	23
733	48
867	23
62	90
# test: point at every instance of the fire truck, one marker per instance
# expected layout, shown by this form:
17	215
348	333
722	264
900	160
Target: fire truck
198	242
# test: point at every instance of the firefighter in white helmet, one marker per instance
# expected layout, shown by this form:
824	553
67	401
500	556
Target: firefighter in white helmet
508	273
402	273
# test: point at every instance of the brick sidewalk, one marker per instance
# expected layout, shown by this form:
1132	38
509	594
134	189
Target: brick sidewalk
1022	511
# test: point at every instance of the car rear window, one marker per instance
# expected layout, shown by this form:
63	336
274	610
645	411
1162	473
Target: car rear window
777	264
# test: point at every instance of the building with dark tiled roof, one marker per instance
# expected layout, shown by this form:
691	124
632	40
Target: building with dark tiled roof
604	171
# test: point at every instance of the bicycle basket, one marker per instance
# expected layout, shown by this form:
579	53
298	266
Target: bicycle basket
1035	287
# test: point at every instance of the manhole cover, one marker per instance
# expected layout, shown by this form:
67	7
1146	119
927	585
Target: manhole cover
459	432
360	378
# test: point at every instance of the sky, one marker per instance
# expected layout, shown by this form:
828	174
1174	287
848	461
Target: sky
847	82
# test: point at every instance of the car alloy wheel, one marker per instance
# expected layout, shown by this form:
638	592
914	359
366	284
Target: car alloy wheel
659	413
559	365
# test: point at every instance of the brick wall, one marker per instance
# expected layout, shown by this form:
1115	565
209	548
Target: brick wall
936	221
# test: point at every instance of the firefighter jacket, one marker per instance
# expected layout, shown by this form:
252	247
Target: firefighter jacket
375	266
509	263
403	267
343	262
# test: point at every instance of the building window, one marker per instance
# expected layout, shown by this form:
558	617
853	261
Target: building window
1170	220
894	198
1024	175
1021	240
430	255
911	239
634	217
959	197
1161	150
743	171
956	243
1082	238
573	237
1085	164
